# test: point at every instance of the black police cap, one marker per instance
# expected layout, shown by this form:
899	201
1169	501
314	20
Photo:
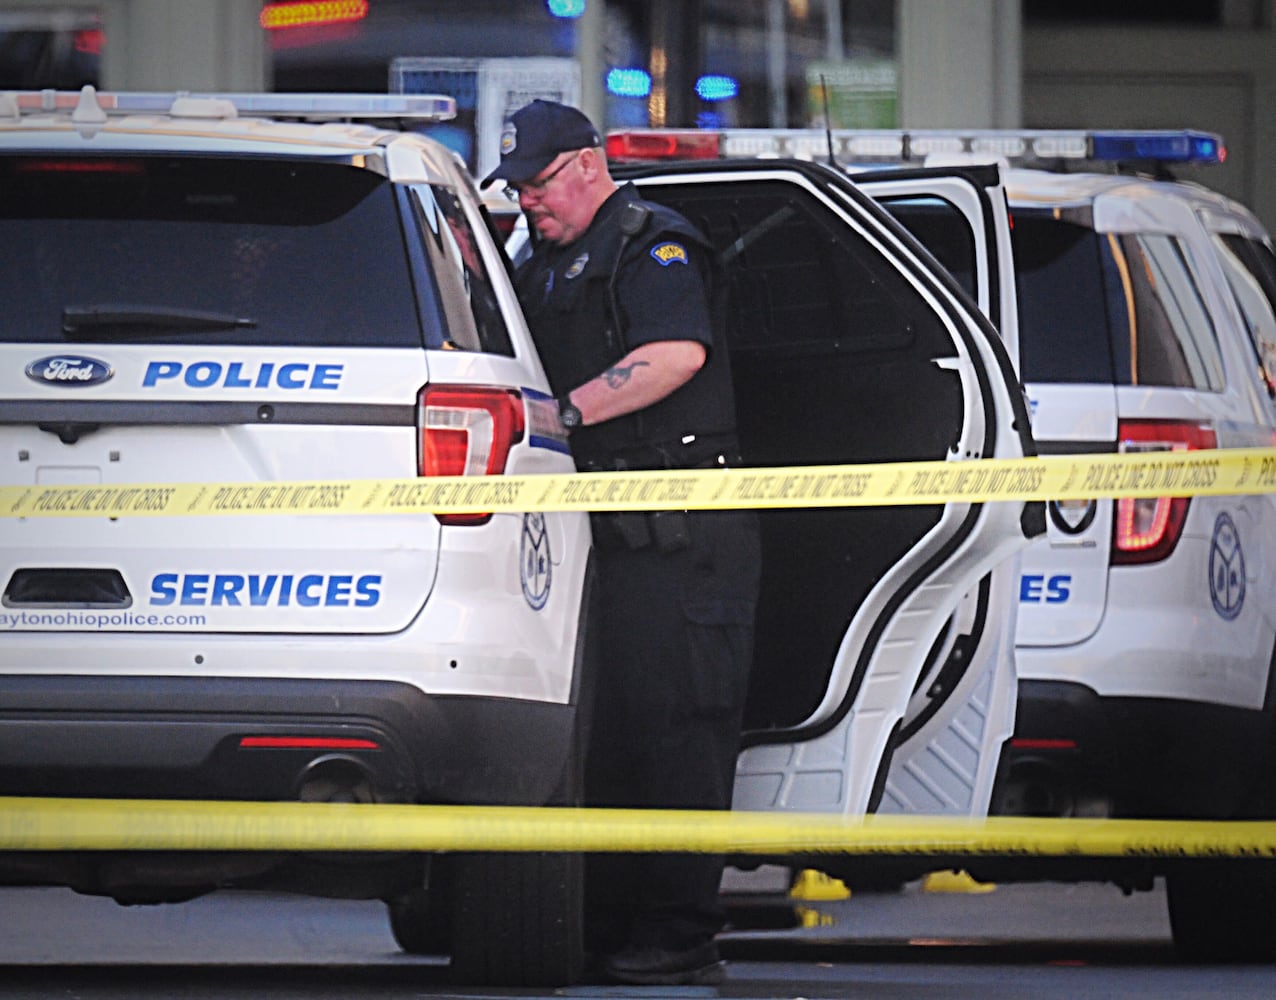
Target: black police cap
535	134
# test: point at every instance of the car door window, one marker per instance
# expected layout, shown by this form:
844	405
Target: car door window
1251	272
474	317
1168	337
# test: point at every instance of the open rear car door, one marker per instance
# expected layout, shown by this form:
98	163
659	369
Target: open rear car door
883	677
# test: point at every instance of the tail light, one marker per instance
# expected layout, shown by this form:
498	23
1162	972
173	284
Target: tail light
1147	529
467	431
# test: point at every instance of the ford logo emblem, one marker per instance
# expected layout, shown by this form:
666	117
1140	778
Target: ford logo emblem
69	370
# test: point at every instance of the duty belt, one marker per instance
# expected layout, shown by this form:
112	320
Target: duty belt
702	452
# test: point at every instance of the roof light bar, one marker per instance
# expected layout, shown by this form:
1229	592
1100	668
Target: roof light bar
875	146
936	144
1061	146
894	145
312	107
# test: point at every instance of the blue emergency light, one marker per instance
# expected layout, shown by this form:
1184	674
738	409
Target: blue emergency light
1182	146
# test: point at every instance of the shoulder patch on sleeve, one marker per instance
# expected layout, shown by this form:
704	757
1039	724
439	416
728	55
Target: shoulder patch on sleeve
667	253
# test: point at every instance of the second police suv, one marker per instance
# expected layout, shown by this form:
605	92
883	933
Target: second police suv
1141	313
214	290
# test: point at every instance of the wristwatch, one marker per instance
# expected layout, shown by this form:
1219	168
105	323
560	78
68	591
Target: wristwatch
568	414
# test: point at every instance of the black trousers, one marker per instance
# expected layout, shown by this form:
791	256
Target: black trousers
675	644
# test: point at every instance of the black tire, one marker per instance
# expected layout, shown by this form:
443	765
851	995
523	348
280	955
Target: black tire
517	919
1223	912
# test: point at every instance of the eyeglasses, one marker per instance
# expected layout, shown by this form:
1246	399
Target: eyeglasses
514	191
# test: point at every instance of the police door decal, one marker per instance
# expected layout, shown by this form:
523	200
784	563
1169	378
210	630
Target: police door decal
1227	569
535	564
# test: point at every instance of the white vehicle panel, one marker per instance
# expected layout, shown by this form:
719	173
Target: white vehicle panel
945	768
144	373
512	650
1146	631
252	573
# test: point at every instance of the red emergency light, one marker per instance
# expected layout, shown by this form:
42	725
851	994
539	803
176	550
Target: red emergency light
671	144
311	13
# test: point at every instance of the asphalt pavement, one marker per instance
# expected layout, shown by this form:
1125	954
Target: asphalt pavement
1036	942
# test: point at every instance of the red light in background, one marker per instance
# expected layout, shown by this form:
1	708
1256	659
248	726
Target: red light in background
276	16
90	41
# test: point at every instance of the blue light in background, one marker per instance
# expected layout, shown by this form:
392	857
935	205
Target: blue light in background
566	8
717	88
628	82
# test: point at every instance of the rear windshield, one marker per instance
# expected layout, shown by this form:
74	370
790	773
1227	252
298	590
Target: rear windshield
1123	309
225	250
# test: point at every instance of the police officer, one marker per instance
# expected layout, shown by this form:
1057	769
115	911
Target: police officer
617	294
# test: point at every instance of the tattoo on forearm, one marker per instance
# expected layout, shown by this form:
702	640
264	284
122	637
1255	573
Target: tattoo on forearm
620	375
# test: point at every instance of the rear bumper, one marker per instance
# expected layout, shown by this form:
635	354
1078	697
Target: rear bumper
176	737
1076	752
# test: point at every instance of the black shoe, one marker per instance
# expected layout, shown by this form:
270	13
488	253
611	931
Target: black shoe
698	966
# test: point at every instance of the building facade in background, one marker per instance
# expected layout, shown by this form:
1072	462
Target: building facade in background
1205	64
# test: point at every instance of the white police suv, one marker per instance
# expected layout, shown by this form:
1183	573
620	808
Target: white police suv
1145	316
257	289
1147	628
1146	637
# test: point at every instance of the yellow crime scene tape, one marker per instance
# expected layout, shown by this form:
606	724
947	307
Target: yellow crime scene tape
39	824
1222	472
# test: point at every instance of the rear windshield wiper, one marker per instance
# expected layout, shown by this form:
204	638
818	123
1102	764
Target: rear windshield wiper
123	320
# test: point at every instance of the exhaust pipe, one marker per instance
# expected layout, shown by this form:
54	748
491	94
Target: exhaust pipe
336	778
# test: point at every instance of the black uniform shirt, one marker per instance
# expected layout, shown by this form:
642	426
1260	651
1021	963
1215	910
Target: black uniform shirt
662	288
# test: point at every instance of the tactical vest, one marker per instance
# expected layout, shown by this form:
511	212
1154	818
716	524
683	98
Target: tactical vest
567	298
